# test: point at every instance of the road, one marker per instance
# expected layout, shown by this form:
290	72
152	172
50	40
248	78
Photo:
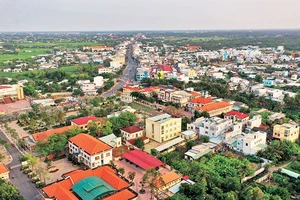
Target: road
127	76
27	189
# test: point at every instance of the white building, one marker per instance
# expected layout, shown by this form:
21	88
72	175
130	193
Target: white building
112	140
98	81
215	126
254	122
88	88
251	143
102	70
89	150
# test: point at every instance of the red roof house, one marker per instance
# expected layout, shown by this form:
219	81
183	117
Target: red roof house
237	115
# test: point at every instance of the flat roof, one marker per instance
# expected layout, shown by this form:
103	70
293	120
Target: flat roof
108	138
169	144
142	159
290	173
188	132
159	118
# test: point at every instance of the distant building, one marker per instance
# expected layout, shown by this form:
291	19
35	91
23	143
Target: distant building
98	48
237	116
131	132
102	70
168	180
254	122
163	127
4	172
98	81
112	140
268	82
286	132
11	93
84	121
91	151
198	151
216	108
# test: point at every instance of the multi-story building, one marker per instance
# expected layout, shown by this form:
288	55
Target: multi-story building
98	48
216	108
89	150
112	140
198	102
252	142
163	127
286	132
254	122
215	126
237	116
9	93
84	121
170	95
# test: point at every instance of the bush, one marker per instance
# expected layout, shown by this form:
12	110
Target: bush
254	159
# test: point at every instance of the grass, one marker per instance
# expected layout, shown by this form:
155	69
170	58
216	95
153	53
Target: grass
142	107
59	44
294	166
24	54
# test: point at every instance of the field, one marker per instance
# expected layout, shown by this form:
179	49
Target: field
24	54
194	39
63	45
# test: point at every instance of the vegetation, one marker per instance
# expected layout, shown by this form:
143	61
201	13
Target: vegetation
9	192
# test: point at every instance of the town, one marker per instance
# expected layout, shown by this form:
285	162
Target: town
149	115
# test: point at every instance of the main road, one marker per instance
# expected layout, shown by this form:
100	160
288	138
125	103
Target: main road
127	76
27	189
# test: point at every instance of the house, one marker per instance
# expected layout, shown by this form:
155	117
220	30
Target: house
89	88
97	48
102	70
111	140
197	103
216	108
237	116
170	95
195	126
214	127
254	122
30	141
98	81
251	143
166	181
188	135
268	82
276	116
84	121
4	172
170	145
163	127
286	132
91	151
198	151
99	183
131	132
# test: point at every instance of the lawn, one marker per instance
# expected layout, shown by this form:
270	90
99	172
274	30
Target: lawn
141	107
24	54
294	166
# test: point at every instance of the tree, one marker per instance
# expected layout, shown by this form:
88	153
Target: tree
42	173
152	179
204	139
189	144
94	129
106	128
78	92
55	144
121	171
31	160
30	91
254	194
154	152
139	143
9	192
185	121
258	78
131	176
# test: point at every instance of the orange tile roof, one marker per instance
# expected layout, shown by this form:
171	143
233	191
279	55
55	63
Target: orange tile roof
214	106
195	94
46	134
60	190
131	88
89	144
123	195
201	100
3	168
167	178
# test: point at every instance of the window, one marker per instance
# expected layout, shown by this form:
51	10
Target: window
246	144
97	158
107	154
152	128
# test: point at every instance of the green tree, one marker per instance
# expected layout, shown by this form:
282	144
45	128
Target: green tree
139	143
106	129
9	192
121	171
131	176
258	78
151	180
154	152
55	144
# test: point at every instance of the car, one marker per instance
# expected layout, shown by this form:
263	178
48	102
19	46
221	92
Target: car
12	144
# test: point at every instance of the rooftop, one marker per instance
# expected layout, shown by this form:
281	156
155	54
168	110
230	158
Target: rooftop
46	134
238	115
160	118
169	144
201	100
214	106
131	129
3	168
167	178
89	144
84	120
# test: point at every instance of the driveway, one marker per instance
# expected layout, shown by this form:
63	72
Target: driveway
27	189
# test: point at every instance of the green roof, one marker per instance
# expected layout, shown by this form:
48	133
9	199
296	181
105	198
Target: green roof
91	188
290	173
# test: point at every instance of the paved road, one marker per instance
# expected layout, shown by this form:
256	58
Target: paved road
127	76
27	189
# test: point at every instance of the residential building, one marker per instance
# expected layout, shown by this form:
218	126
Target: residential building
188	135
91	151
251	143
10	93
98	48
237	116
216	108
131	132
89	88
268	82
286	132
102	70
214	127
98	81
163	127
168	180
254	122
276	116
99	183
111	140
198	102
198	151
195	126
170	95
84	121
4	172
170	145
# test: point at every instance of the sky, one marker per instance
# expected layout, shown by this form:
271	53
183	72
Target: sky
113	15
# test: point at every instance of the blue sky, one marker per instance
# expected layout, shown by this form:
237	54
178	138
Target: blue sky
103	15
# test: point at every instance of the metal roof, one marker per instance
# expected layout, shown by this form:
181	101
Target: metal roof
169	144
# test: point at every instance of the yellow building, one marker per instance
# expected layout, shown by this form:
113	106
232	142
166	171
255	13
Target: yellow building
13	92
286	132
4	173
191	73
163	127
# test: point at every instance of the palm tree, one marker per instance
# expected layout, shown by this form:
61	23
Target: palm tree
121	171
131	176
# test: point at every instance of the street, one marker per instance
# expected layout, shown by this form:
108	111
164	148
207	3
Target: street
127	76
27	189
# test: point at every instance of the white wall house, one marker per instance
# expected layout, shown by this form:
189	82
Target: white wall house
98	81
215	126
251	143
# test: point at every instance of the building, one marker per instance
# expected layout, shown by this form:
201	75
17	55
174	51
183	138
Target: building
98	48
268	82
170	145
30	141
286	132
102	70
254	122
11	93
131	132
163	127
166	181
4	172
216	108
251	143
142	159
188	135
214	127
237	116
99	183
112	140
89	150
198	151
198	102
98	81
170	95
84	121
88	88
